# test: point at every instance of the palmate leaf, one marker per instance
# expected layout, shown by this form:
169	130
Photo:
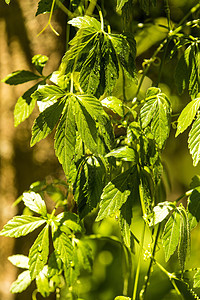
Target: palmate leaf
39	252
46	122
171	234
22	282
21	225
157	111
187	115
98	56
35	203
116	193
194	141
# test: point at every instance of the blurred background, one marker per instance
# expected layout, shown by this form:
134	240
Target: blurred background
21	165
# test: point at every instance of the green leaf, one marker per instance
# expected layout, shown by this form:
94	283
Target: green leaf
47	93
194	141
25	105
145	192
120	4
65	137
42	283
86	126
171	234
19	77
22	282
114	104
7	1
183	288
161	211
157	110
197	279
68	221
39	252
44	6
115	194
84	255
123	153
184	241
187	73
187	115
21	225
35	203
45	123
19	260
126	219
89	184
39	62
86	22
63	246
194	203
122	298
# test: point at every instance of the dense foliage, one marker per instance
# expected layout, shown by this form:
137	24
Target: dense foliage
109	135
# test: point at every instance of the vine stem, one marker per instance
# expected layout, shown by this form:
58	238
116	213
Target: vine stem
166	40
151	263
49	21
139	263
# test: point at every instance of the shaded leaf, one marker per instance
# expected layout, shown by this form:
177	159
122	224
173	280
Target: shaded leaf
114	104
35	203
21	225
25	105
146	4
184	289
22	282
45	123
19	77
38	253
44	6
184	241
194	203
120	4
116	193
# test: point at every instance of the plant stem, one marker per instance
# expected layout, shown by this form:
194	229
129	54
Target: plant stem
49	21
91	7
101	18
139	263
152	260
167	11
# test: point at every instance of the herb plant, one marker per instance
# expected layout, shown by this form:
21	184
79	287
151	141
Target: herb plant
110	147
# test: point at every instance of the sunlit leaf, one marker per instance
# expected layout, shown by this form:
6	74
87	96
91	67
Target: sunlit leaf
19	260
21	225
35	203
194	141
22	282
39	252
